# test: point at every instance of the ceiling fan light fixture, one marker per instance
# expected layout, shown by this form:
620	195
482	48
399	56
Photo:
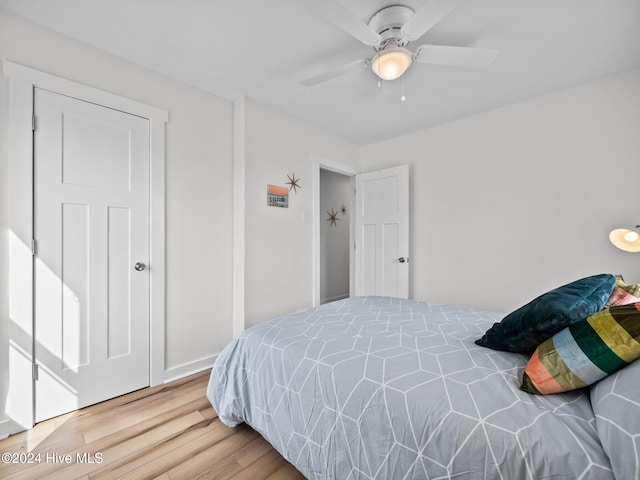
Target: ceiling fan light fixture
391	63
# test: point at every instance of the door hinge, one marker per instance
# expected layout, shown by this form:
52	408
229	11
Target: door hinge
33	123
34	247
34	371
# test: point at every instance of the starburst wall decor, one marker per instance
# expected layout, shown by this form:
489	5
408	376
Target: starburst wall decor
333	218
294	183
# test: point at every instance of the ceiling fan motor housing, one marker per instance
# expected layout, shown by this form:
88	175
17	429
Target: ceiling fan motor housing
388	23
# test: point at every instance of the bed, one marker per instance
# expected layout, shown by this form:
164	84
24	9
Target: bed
387	388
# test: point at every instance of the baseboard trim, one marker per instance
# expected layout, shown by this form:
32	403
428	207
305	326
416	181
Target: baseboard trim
9	427
334	299
186	369
4	429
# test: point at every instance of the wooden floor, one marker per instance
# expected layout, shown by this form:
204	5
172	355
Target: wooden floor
169	432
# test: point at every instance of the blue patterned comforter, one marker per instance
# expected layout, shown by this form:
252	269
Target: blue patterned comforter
383	388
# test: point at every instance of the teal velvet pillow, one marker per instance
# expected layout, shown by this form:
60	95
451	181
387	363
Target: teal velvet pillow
527	327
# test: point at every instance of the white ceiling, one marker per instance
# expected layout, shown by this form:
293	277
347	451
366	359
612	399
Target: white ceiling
263	49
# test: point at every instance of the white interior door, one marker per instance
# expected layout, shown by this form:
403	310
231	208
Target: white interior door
382	232
91	225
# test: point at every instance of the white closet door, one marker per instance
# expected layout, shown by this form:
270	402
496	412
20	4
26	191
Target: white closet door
91	224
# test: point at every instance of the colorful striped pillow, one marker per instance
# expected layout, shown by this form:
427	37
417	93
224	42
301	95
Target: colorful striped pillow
631	289
620	296
585	352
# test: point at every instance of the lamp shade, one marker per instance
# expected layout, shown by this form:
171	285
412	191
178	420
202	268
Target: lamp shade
391	62
625	239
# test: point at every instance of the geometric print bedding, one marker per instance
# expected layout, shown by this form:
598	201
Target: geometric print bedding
616	404
385	388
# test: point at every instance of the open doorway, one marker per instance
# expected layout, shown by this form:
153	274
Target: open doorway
336	194
378	208
343	196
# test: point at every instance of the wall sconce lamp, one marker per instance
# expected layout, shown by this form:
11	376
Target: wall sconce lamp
625	239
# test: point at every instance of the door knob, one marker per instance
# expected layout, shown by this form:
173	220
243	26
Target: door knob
402	260
139	266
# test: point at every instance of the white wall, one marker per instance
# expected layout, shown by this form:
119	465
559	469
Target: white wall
198	188
279	243
510	203
335	191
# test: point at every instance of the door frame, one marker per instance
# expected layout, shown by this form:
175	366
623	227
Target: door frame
320	163
22	81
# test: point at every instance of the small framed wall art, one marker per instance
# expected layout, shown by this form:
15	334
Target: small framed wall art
277	196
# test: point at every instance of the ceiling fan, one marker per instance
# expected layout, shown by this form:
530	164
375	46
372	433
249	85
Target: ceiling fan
389	32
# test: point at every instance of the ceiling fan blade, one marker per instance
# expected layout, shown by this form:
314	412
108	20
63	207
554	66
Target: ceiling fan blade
427	16
335	13
455	56
336	72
